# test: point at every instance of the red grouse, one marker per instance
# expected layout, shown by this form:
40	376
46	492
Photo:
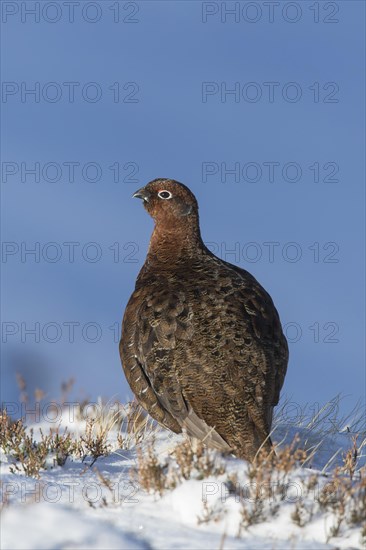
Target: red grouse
202	345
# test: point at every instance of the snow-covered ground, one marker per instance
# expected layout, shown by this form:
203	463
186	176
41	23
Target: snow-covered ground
82	506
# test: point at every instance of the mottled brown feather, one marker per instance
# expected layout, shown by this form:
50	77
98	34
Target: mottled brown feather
202	345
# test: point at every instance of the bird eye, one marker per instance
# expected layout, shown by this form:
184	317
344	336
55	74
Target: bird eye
165	194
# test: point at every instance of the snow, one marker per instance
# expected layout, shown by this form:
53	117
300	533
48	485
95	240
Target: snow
70	507
46	526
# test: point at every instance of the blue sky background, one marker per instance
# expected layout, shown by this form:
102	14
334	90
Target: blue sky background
170	132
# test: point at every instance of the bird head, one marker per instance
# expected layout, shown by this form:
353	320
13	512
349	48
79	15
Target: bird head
168	201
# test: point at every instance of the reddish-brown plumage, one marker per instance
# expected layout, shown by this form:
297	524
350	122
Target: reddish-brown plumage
202	345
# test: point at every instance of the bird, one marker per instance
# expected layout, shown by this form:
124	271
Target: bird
202	345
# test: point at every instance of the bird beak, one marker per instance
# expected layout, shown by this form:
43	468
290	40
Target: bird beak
141	194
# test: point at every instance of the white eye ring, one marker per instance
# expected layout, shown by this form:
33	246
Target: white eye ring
168	194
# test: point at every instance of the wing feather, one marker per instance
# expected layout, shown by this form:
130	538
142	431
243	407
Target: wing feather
161	320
